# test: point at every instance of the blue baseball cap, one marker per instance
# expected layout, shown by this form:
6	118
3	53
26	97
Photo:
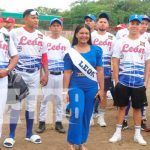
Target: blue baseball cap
56	20
104	15
135	17
145	17
90	16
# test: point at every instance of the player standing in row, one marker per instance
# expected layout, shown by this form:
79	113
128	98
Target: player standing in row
7	51
57	45
32	50
131	63
105	40
145	35
90	20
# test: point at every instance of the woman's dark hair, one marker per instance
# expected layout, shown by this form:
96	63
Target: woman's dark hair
78	28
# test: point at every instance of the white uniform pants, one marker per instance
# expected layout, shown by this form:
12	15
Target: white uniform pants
3	98
32	81
54	87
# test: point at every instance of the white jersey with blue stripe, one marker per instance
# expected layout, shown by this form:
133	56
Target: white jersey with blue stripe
106	42
30	47
6	51
132	55
56	49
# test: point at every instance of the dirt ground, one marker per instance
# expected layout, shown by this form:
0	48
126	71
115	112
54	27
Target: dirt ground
98	137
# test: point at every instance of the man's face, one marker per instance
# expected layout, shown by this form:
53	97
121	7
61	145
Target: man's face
31	21
55	28
144	26
134	27
2	24
102	24
90	23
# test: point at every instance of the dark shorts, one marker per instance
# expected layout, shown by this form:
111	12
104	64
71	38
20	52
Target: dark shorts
123	93
108	84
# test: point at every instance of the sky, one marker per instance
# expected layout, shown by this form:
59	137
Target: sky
21	5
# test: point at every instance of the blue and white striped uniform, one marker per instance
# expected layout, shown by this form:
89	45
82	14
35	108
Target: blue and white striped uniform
106	42
132	55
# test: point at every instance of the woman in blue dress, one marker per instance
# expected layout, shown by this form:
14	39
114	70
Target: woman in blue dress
79	89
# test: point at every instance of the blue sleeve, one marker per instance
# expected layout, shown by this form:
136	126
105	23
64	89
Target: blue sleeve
68	65
99	54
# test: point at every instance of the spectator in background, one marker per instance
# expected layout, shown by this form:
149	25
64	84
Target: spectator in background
9	23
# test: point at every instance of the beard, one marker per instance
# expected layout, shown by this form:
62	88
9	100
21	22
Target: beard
102	30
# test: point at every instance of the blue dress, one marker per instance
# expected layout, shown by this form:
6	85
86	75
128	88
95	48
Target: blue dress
82	91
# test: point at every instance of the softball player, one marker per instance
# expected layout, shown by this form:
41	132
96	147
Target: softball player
32	49
105	40
145	35
131	62
56	46
7	51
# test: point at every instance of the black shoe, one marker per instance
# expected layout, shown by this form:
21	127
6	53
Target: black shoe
125	125
41	128
143	125
59	127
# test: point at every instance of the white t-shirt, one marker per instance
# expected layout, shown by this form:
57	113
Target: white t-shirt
56	48
132	55
106	42
30	48
6	51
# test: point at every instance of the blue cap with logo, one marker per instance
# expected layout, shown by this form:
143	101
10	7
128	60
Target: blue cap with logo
56	20
145	17
135	17
90	16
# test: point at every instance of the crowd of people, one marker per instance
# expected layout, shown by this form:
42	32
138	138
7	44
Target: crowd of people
80	73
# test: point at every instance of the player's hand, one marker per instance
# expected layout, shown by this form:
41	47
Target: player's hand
66	97
3	73
145	84
43	80
101	94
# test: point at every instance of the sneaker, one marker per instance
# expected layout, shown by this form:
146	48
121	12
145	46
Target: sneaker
41	127
139	139
143	125
115	138
95	115
101	121
59	127
92	121
125	124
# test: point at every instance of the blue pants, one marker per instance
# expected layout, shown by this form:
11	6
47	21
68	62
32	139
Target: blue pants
81	103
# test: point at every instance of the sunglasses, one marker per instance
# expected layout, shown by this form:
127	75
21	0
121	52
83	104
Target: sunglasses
34	12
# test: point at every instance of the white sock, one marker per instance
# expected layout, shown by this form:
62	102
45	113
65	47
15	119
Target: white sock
118	128
102	112
137	130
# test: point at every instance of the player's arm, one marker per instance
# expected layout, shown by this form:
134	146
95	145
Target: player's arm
11	66
115	62
147	72
44	70
66	81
